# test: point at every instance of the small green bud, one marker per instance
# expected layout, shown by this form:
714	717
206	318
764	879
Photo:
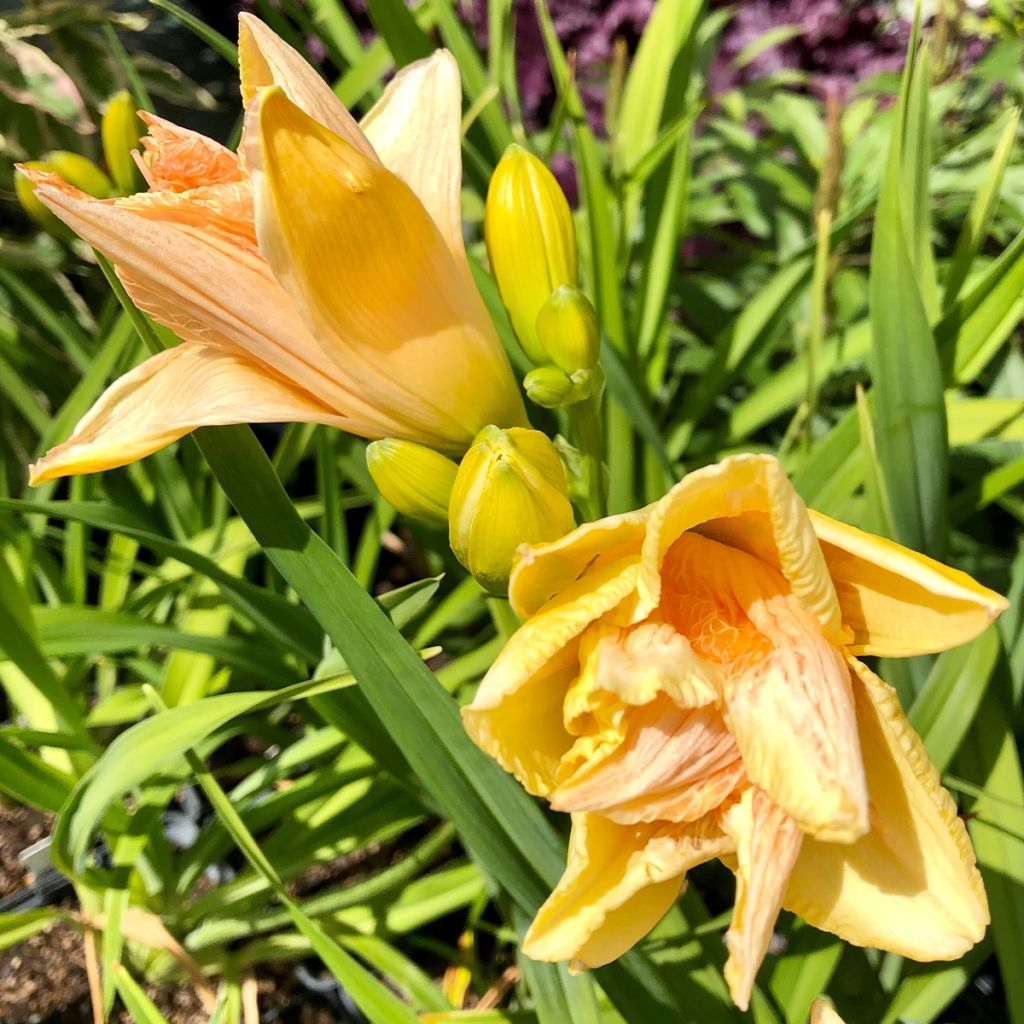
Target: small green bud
531	241
567	329
25	190
510	490
548	386
413	479
121	130
79	171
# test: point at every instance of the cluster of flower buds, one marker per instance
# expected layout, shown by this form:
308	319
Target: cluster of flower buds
120	131
509	489
531	244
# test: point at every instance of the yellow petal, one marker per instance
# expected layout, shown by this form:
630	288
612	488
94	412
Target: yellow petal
897	602
767	843
370	274
416	129
543	570
822	1012
748	502
167	396
516	715
211	290
618	883
265	59
910	885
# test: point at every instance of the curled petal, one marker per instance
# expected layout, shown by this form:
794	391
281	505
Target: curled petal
660	762
897	602
416	130
167	396
745	501
787	697
370	274
265	59
177	159
792	715
618	883
528	681
910	885
543	570
767	843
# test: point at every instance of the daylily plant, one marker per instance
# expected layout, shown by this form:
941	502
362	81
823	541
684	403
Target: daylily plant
317	275
687	685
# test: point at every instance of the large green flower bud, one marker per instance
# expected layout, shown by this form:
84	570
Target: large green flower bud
510	490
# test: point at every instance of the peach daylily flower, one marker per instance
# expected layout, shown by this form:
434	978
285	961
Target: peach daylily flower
687	686
318	275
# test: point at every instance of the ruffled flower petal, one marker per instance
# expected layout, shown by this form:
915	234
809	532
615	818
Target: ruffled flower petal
542	570
787	695
910	885
745	501
528	682
767	843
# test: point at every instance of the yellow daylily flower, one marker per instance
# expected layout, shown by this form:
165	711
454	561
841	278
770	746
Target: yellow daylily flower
318	275
686	685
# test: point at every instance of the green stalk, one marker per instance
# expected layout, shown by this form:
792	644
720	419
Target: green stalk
585	426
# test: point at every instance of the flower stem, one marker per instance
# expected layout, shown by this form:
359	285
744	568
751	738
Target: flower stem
585	425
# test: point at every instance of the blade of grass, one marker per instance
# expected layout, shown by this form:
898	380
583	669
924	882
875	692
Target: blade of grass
220	44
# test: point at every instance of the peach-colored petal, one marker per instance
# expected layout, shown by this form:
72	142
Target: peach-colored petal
634	665
787	696
223	210
767	843
618	883
169	395
416	130
748	502
897	602
265	59
653	762
910	885
371	276
211	290
176	159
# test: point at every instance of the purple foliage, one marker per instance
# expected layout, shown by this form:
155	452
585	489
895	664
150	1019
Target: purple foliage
842	42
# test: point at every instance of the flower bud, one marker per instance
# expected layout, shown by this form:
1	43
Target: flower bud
568	331
548	386
510	490
79	171
531	241
412	479
121	130
25	190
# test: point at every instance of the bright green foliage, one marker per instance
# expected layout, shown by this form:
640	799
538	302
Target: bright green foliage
844	287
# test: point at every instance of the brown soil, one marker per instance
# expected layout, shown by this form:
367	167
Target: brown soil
43	979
